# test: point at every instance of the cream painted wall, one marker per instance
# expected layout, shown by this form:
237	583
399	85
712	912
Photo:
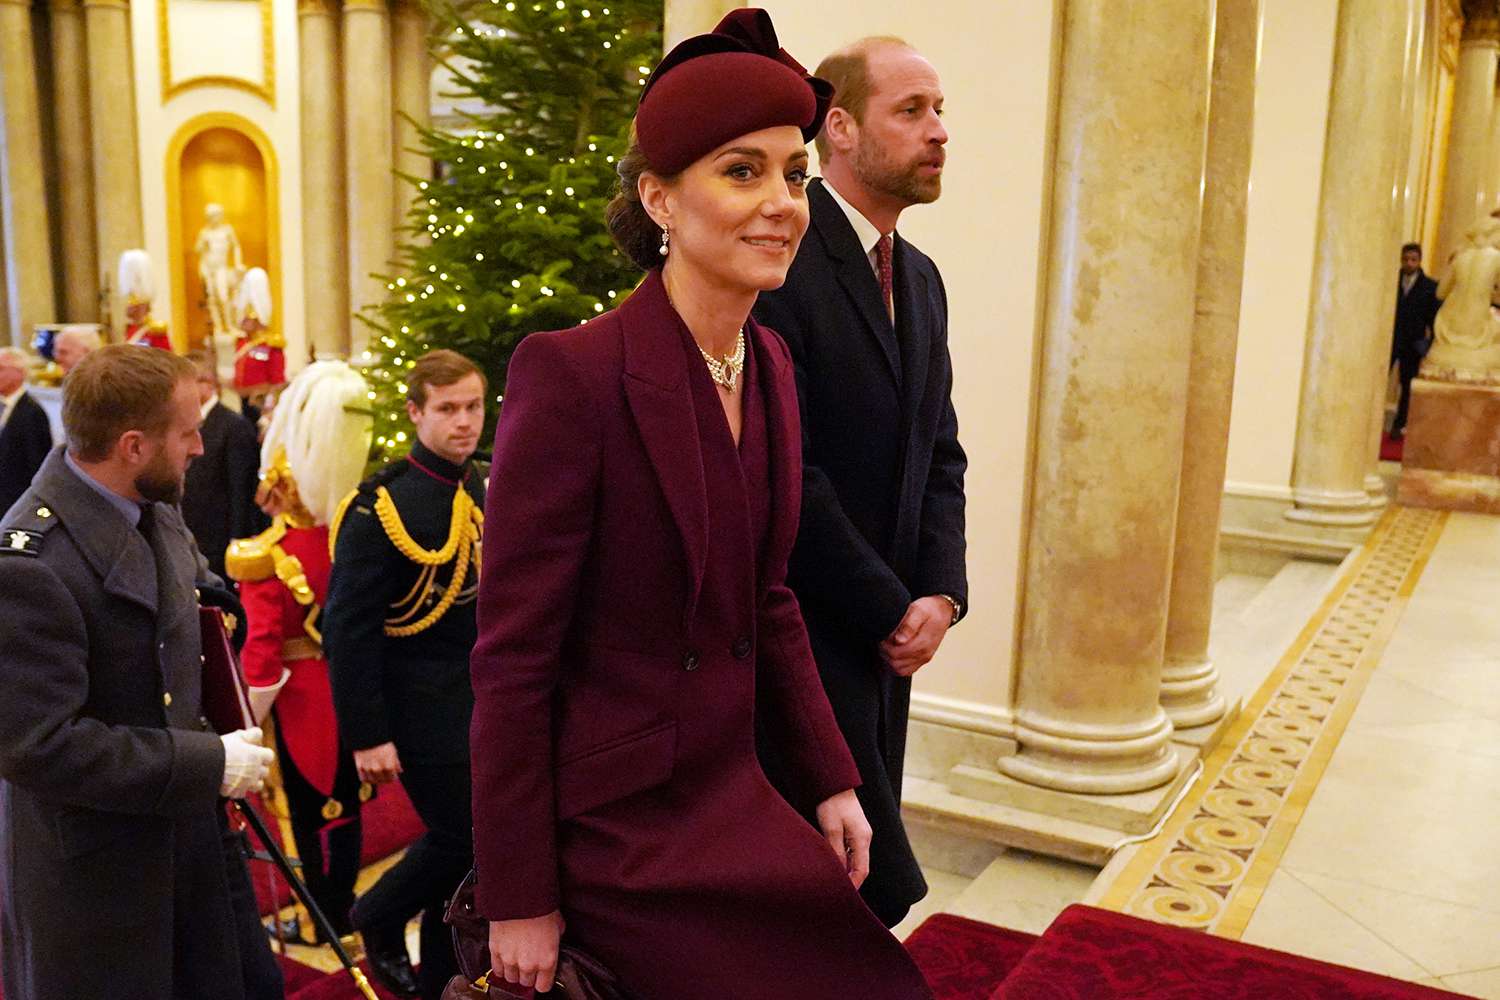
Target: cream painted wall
1291	111
995	61
157	122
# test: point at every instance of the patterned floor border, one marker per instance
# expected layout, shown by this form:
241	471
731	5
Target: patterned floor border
1213	860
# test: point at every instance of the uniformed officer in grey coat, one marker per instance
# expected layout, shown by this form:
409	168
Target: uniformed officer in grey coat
114	880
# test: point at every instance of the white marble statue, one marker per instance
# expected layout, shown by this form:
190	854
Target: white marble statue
1466	333
220	265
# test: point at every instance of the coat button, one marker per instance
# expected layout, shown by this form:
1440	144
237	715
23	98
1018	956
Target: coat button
690	660
741	647
166	699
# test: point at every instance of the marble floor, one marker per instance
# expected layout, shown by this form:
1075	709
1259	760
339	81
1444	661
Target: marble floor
1393	866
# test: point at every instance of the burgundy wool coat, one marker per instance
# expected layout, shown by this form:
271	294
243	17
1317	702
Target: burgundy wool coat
633	621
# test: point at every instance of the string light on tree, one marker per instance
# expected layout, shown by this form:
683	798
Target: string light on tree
511	238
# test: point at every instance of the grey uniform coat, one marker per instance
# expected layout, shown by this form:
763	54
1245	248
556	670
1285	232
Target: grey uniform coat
112	878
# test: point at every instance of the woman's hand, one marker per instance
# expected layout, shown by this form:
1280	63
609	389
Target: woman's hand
525	951
843	822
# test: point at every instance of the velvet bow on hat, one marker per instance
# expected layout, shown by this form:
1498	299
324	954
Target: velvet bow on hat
735	80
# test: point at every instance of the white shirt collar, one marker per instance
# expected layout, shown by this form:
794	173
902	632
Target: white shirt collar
864	229
6	402
212	402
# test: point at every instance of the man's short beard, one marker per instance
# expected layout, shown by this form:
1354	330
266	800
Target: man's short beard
905	183
158	483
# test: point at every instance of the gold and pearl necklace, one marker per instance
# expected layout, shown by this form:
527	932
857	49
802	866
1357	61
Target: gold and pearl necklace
726	371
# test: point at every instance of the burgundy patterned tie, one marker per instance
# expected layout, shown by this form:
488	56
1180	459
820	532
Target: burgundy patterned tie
883	262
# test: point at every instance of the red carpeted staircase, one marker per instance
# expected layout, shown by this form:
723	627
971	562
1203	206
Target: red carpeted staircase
1092	954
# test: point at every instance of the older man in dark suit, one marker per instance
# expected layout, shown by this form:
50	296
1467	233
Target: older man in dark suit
25	435
879	563
218	501
114	881
1416	307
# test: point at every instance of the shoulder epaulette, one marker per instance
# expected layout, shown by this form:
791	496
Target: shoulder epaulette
23	534
252	559
363	496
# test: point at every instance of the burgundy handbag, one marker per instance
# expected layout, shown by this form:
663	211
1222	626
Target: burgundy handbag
579	976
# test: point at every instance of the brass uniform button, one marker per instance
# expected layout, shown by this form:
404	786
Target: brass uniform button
333	809
43	512
166	699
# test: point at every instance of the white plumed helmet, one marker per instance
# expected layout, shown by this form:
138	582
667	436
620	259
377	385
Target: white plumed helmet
255	296
135	277
322	421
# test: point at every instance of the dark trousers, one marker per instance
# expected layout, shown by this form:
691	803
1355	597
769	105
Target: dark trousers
1410	362
258	966
329	851
426	877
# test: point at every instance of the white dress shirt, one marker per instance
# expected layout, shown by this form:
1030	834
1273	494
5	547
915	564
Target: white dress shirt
866	233
8	405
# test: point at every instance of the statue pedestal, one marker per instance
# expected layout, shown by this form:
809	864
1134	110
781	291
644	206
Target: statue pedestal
1452	455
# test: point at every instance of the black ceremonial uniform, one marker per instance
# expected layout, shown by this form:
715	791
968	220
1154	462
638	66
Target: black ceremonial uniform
397	634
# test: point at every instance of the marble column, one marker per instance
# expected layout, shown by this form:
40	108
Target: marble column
1381	377
1122	266
116	159
369	184
324	230
75	170
1354	260
1189	684
411	78
1489	190
1469	134
23	187
685	18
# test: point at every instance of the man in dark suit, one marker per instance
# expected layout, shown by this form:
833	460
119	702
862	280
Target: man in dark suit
218	502
879	563
25	435
114	881
1416	307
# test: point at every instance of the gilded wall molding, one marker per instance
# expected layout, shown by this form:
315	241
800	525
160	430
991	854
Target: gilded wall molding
1481	22
1450	29
170	88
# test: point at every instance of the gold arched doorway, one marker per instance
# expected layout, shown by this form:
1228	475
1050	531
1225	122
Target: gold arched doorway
224	159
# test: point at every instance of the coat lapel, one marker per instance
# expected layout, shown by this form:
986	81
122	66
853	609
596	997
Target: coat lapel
915	324
661	402
783	451
853	269
120	556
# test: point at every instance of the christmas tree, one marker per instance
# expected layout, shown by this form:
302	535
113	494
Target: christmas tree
512	239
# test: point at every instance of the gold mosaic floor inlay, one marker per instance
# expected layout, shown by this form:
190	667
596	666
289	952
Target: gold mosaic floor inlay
1211	863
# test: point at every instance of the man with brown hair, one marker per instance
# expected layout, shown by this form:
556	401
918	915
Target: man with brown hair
397	629
115	881
879	562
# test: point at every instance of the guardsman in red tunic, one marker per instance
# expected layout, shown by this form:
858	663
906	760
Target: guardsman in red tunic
260	354
136	285
313	455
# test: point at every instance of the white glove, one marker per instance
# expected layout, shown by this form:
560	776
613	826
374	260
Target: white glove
246	763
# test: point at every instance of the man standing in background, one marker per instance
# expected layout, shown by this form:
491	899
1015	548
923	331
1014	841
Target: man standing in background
879	562
1416	307
25	433
218	502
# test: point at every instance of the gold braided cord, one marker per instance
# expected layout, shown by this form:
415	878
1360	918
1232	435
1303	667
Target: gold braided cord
455	586
338	520
390	519
413	599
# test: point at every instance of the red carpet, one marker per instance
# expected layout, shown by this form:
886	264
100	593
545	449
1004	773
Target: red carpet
1391	448
391	824
964	959
1091	954
306	983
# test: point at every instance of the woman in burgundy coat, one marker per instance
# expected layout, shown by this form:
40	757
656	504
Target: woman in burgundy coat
633	613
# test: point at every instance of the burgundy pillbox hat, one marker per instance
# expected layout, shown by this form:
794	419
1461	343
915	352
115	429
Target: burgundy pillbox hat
732	81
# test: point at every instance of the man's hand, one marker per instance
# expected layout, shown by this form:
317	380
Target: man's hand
378	765
916	640
525	951
246	763
848	832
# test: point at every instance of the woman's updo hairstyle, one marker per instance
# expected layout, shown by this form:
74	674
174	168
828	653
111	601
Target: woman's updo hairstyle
634	232
735	80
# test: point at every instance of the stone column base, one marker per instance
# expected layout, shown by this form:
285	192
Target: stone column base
1452	455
